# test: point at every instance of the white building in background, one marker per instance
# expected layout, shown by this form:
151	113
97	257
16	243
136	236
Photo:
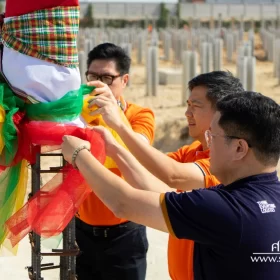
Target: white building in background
248	9
231	1
205	9
127	10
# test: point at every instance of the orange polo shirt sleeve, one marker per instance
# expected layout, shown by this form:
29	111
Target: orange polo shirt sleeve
186	153
142	120
209	179
194	154
93	211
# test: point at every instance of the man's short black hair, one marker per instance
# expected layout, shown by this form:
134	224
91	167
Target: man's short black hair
218	84
255	118
108	51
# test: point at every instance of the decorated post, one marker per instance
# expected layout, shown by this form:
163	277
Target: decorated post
41	100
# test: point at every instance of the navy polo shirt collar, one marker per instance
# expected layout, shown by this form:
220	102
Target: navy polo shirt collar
265	177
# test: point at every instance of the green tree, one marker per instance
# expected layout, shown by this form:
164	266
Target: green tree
178	9
162	21
87	20
178	12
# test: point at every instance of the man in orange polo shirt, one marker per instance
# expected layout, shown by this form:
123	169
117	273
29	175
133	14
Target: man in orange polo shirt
190	167
111	247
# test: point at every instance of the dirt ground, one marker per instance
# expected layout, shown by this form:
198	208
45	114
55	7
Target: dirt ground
171	124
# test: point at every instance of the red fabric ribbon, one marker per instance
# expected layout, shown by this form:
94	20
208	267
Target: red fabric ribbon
50	210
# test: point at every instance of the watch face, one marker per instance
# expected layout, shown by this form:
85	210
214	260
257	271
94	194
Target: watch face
120	104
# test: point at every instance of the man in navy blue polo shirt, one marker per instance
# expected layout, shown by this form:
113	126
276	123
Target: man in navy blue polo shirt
235	226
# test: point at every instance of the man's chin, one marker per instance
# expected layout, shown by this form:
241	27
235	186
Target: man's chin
192	134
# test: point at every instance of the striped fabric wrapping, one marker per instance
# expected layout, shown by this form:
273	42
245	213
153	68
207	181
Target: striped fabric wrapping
49	35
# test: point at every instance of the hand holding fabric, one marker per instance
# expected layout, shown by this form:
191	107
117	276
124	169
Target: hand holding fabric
102	89
107	105
111	144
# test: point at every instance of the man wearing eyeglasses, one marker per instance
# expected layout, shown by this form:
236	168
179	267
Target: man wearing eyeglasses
187	168
235	225
112	247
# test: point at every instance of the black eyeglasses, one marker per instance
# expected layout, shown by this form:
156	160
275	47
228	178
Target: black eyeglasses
106	79
209	136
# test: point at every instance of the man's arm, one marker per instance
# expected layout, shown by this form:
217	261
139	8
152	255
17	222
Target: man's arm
183	176
134	173
124	201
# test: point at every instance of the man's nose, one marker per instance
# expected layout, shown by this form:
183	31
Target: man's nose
188	112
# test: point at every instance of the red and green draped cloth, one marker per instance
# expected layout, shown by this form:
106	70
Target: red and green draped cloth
45	30
25	127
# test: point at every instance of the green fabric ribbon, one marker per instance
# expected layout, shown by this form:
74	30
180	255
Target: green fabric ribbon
65	109
8	189
11	104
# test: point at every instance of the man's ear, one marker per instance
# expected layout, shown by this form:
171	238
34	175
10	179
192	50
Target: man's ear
125	79
242	149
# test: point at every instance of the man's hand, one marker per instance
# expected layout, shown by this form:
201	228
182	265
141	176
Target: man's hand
111	145
70	144
102	89
107	103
